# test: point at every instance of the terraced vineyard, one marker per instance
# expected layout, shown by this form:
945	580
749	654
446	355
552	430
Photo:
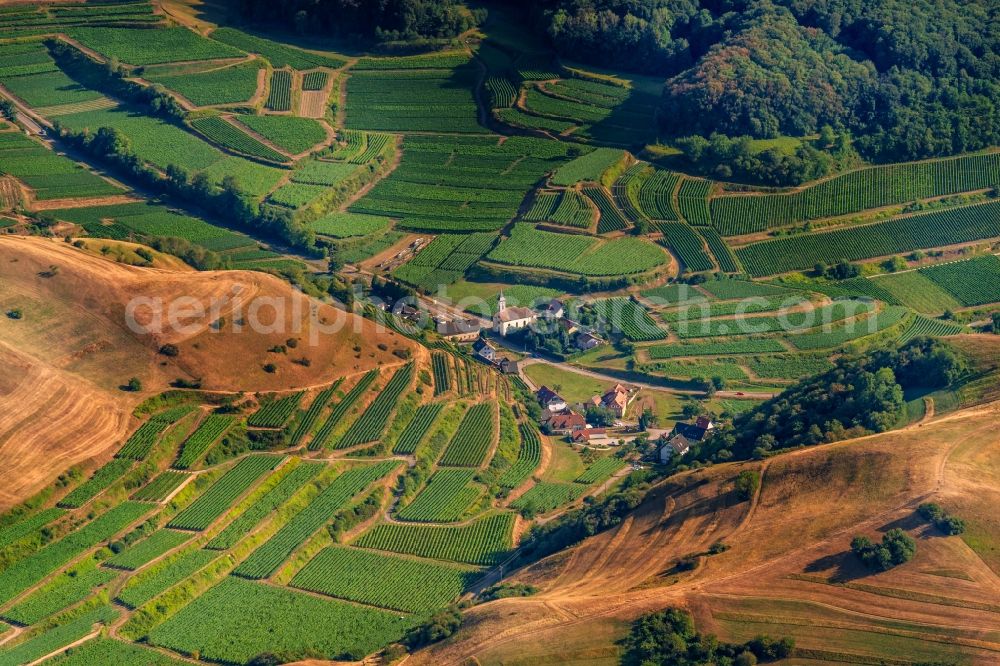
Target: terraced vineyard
198	443
656	196
895	236
972	282
102	478
546	496
611	218
417	428
529	457
372	422
473	439
442	376
387	581
160	488
628	318
483	542
446	497
311	415
266	559
139	444
340	410
687	245
600	471
856	191
274	413
279	98
223	493
573	211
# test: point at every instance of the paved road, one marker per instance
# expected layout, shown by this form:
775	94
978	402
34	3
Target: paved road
739	395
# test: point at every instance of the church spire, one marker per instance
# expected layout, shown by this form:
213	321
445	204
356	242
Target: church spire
501	303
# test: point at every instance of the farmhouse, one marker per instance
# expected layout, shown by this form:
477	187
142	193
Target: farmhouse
508	319
460	330
566	423
586	341
590	435
484	351
509	366
677	445
694	432
550	400
616	400
554	309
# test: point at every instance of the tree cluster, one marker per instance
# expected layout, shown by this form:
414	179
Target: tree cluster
384	20
897	547
907	78
668	638
947	523
861	395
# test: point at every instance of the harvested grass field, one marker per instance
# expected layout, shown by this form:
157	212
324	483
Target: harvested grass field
788	571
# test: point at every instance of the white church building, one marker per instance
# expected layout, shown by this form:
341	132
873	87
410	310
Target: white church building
512	318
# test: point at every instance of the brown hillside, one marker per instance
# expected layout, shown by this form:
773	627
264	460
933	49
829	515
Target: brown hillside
65	359
788	571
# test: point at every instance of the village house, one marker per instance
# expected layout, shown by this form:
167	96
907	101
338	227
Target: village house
485	351
566	423
509	319
590	436
677	445
554	310
615	400
550	400
459	330
694	432
586	341
509	366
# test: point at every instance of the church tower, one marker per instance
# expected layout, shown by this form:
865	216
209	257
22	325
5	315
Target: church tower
501	303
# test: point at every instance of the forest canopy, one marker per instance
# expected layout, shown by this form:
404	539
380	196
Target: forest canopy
907	78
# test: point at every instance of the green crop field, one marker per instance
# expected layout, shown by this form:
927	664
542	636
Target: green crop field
692	200
473	439
279	97
68	588
628	318
740	346
461	183
311	415
278	54
374	419
546	496
224	492
146	47
482	542
108	651
347	225
446	497
588	167
308	624
274	413
687	245
22	528
317	172
147	550
49	175
232	137
198	443
296	135
928	230
580	255
377	579
655	198
163	575
420	423
914	290
573	211
160	487
854	192
529	457
971	282
229	85
267	558
601	471
34	568
102	478
57	637
263	507
611	218
161	143
314	81
414	100
339	410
